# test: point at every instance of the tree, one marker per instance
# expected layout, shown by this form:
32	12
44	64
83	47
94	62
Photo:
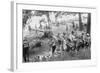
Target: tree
26	15
80	22
89	23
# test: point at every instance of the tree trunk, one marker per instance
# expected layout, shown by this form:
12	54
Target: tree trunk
89	23
80	22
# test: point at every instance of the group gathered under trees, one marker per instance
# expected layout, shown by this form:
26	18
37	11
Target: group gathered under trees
55	32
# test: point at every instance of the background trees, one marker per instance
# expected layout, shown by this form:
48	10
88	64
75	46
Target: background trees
52	19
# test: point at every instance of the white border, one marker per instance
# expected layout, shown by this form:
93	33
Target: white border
17	62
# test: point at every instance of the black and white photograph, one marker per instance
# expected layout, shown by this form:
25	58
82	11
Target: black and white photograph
50	36
55	35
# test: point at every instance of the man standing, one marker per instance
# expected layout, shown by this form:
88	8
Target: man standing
26	51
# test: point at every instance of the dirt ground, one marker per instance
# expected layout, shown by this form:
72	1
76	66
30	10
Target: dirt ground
82	54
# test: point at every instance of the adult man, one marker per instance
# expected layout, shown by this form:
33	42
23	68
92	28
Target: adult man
25	51
53	47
